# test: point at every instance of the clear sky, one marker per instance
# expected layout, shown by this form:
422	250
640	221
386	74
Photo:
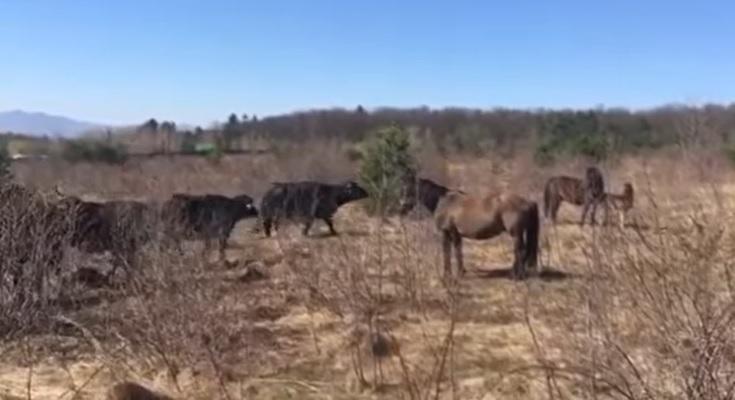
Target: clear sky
195	61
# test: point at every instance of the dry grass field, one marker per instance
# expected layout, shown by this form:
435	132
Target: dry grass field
644	312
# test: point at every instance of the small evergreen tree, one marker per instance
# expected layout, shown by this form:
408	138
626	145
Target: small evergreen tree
4	160
230	131
386	160
95	152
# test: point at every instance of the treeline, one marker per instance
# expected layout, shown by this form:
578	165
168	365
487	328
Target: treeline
552	133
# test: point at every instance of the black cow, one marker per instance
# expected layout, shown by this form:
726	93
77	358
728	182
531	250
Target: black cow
205	217
306	200
120	227
422	191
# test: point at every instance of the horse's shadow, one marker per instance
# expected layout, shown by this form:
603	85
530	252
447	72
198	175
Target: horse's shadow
546	274
632	225
327	235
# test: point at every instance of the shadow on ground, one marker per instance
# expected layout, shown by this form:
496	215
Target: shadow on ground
545	274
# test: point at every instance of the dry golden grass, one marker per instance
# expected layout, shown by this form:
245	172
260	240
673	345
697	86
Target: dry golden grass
204	332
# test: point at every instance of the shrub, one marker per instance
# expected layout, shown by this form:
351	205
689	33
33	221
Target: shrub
472	139
386	160
594	146
79	150
729	151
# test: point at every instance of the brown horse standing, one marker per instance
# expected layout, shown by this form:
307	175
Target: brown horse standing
588	193
460	215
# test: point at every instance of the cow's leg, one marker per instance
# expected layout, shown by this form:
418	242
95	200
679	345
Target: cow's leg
222	239
267	224
330	224
179	246
307	226
222	245
174	241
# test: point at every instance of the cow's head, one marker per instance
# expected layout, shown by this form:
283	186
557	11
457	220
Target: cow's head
351	191
248	203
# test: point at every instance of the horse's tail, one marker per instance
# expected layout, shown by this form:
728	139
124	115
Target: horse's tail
547	197
532	236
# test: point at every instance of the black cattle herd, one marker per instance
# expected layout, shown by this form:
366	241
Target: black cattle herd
123	227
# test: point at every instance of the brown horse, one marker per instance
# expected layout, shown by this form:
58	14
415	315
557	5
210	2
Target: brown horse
622	203
460	215
588	193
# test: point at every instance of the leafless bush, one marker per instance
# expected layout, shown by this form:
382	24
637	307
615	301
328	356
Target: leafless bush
654	315
387	279
32	240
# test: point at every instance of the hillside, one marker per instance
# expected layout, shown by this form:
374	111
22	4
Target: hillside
37	123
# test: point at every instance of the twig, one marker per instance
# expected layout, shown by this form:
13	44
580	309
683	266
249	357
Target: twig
311	385
77	389
207	344
85	332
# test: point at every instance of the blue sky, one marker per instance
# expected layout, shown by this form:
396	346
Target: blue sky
198	61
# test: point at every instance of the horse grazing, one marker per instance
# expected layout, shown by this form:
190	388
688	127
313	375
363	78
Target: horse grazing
622	203
588	192
460	215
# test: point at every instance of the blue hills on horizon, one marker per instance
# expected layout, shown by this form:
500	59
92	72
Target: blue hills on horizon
42	124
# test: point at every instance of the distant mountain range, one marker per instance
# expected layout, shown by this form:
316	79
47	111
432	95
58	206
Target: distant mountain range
38	123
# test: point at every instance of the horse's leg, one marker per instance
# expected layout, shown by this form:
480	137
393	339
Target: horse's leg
622	215
119	260
556	204
593	220
447	252
457	242
207	247
520	255
585	209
